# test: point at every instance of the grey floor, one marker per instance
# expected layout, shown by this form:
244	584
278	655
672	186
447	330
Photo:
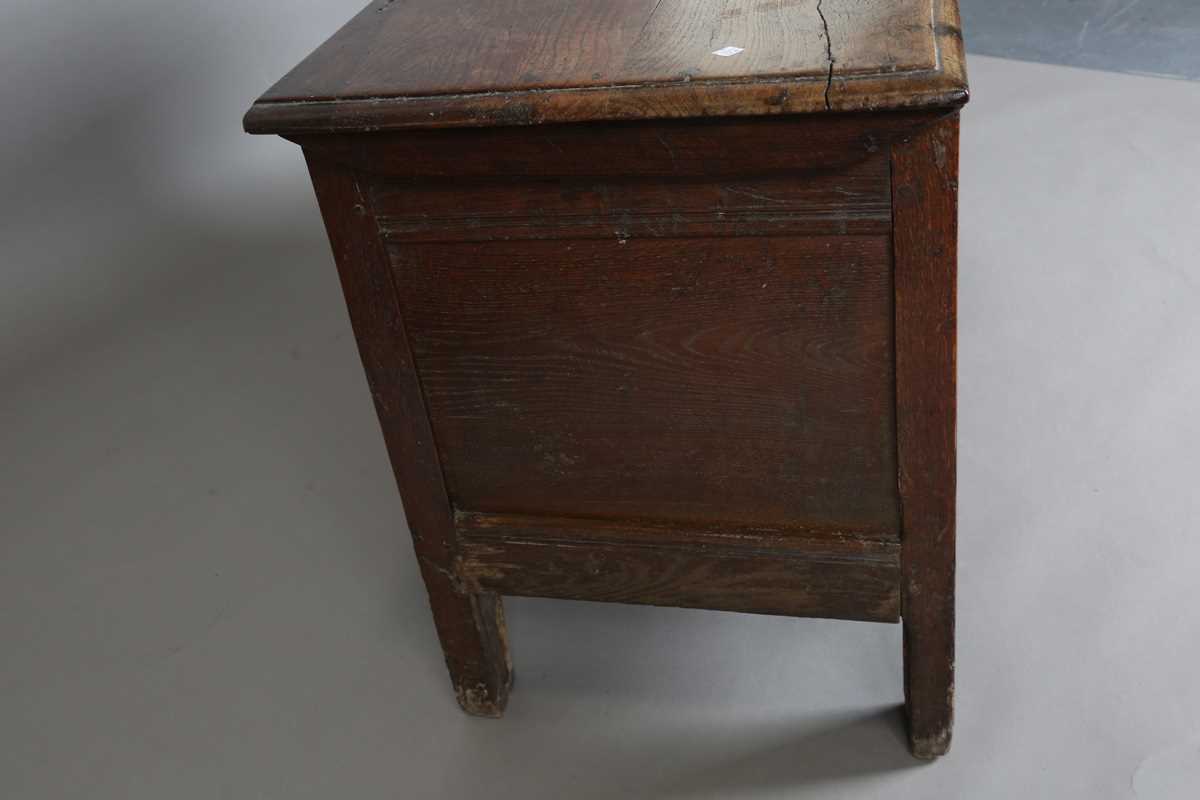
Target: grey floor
206	588
1152	37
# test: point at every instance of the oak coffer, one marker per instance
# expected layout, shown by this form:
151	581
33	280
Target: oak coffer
656	301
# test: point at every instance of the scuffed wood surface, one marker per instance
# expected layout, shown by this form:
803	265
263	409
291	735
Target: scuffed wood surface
925	192
674	566
793	539
438	63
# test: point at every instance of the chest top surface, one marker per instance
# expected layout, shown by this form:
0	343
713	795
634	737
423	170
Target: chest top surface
444	63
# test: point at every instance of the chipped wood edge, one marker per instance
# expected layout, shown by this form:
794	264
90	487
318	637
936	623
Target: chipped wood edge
479	699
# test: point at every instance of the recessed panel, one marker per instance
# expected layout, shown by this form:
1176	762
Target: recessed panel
747	380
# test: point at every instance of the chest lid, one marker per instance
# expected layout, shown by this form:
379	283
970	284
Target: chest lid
443	63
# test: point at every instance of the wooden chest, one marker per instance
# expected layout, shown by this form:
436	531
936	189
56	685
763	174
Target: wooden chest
656	299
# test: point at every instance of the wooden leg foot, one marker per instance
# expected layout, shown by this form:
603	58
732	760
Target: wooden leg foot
482	690
928	748
929	682
475	642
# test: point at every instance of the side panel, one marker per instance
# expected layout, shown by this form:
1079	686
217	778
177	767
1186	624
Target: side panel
746	380
666	328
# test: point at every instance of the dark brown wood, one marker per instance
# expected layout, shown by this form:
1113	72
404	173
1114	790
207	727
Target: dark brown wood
925	192
430	63
469	624
793	540
696	352
702	379
809	202
803	147
730	568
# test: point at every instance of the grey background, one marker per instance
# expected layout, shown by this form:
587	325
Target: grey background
1153	37
206	588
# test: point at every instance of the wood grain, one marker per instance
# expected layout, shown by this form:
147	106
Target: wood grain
795	539
432	63
925	192
697	379
469	625
664	565
855	200
804	147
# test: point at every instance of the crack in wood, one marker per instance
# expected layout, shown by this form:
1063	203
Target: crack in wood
828	54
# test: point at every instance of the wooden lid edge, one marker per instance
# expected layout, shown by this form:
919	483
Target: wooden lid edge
943	87
663	101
